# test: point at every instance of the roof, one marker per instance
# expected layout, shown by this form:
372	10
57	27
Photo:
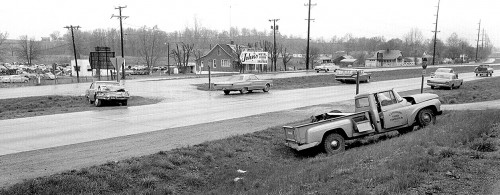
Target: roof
387	54
228	49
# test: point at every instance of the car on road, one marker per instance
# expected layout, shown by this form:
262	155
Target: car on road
326	67
243	83
14	79
447	80
350	75
375	112
443	70
484	70
106	91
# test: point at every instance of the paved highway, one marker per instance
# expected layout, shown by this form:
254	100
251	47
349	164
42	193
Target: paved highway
183	106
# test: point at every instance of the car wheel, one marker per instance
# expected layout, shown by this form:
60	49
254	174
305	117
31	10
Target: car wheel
432	87
476	74
90	101
326	70
124	102
97	102
426	117
334	143
244	90
226	92
266	88
317	71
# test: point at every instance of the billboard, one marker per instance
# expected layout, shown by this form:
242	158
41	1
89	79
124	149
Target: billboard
254	57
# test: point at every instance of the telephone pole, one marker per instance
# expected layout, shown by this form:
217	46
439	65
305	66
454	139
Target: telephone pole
477	44
77	69
435	34
275	28
308	32
482	40
121	35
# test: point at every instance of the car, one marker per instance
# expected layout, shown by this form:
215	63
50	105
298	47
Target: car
106	91
326	67
483	69
447	80
444	70
349	75
14	79
243	83
29	75
48	75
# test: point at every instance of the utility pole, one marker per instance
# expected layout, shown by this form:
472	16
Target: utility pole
477	44
435	34
275	28
121	35
482	40
308	32
77	69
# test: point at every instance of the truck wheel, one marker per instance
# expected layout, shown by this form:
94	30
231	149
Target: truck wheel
226	92
426	117
334	143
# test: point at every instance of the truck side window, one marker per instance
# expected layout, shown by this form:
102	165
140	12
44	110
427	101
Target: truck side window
386	98
362	102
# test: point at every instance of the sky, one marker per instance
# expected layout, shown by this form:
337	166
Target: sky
361	18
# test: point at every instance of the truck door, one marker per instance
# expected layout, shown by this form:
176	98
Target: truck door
393	111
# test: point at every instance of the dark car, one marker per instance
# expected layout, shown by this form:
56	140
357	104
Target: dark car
102	91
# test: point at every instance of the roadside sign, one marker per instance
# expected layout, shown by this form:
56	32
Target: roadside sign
116	62
101	60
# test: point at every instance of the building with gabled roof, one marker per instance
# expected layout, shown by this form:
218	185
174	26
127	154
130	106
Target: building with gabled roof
385	58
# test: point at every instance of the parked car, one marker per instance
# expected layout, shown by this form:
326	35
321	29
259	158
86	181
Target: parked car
28	75
14	79
48	75
483	70
326	67
447	80
102	91
350	75
443	70
243	83
375	113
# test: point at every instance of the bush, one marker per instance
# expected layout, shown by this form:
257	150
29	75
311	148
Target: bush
484	145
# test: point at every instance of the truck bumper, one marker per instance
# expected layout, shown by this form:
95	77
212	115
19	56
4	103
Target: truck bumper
298	147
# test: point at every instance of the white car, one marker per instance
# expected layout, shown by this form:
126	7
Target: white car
326	67
14	79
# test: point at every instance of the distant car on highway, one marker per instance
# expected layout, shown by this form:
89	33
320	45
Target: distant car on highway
326	67
349	75
443	70
243	83
14	79
101	91
447	80
483	70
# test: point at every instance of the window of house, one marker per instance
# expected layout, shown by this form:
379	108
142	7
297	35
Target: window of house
225	63
214	63
201	64
218	51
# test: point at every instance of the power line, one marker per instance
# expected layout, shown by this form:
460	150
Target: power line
308	31
435	34
121	34
77	69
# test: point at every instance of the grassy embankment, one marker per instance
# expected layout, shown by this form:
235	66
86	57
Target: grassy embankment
46	105
456	156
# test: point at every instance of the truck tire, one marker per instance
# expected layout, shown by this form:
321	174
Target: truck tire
334	143
425	117
226	92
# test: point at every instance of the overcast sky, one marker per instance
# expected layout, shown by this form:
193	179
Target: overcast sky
361	18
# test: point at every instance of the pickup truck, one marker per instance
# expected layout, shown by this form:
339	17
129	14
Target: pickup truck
326	67
483	69
375	113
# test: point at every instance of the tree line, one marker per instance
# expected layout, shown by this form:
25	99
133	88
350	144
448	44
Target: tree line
151	44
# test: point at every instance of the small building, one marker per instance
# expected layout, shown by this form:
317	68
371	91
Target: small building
385	58
221	58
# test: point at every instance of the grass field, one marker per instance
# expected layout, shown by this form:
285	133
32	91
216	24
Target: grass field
46	105
459	155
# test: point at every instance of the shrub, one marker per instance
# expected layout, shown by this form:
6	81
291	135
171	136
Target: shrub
484	145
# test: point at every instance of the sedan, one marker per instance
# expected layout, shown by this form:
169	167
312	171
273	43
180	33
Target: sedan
444	70
14	79
243	83
101	91
448	80
350	75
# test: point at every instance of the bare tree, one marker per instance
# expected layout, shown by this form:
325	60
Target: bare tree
286	57
3	37
182	53
29	49
150	46
55	36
